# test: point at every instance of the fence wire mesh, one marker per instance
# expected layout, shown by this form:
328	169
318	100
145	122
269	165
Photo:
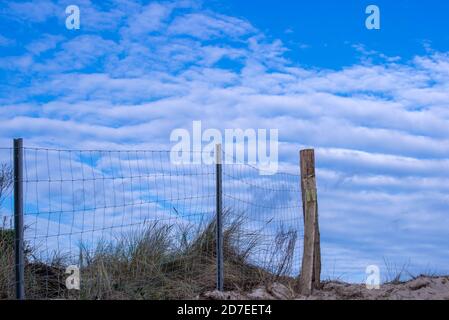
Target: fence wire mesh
264	216
138	226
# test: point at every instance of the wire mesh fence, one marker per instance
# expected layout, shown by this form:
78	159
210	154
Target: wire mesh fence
137	226
267	211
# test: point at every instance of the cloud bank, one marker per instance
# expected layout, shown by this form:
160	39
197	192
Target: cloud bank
134	72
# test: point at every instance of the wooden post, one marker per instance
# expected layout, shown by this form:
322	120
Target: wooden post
311	259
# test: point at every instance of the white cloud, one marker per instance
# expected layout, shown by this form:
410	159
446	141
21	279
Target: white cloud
47	42
5	42
380	130
34	11
210	25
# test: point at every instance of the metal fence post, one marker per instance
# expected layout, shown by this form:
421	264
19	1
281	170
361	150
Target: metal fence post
18	218
219	218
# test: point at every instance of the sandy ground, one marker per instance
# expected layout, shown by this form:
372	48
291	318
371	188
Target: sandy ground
421	288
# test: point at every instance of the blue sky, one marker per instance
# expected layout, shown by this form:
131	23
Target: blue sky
373	103
330	28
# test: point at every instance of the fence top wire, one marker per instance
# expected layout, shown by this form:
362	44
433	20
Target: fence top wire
228	160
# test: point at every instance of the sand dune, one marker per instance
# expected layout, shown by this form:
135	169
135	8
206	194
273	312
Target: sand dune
420	288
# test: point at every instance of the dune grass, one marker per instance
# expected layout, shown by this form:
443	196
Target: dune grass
161	262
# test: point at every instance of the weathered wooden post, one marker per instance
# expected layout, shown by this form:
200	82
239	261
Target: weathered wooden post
311	259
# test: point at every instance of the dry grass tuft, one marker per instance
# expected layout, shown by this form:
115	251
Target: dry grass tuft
162	262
